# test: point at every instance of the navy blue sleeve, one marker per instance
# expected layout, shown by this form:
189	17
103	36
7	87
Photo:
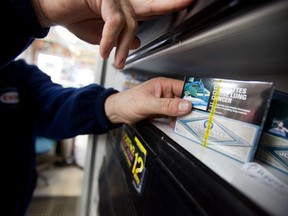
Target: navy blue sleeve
19	28
62	112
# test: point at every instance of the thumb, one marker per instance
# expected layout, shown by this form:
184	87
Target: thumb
173	106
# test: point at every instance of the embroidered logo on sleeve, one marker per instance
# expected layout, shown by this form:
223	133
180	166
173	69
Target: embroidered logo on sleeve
10	96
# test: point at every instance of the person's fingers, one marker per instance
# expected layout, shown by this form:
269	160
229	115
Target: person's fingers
114	19
170	106
126	42
149	8
165	87
172	122
127	36
173	89
163	96
146	101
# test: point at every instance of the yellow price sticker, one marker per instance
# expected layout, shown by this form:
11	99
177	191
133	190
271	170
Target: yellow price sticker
135	154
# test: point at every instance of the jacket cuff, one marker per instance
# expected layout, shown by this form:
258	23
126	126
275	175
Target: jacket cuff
100	111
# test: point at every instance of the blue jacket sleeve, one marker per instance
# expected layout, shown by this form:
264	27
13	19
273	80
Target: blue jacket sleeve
19	28
62	112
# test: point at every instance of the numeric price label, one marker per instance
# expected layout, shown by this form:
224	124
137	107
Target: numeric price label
135	155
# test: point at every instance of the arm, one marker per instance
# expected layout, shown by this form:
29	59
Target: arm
109	23
59	112
19	28
67	112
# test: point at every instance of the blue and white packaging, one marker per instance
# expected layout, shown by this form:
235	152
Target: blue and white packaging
273	147
227	116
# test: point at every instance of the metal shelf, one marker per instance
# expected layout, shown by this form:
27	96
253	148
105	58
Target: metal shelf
259	184
251	46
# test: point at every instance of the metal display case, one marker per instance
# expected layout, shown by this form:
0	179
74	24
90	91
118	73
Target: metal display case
147	169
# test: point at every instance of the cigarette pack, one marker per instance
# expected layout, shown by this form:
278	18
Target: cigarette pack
227	116
273	147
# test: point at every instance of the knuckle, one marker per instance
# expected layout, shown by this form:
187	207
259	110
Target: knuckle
117	19
169	106
132	24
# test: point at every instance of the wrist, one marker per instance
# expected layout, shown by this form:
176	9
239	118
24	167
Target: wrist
42	19
110	107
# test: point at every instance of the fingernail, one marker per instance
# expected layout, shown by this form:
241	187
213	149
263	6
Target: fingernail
182	106
121	64
105	55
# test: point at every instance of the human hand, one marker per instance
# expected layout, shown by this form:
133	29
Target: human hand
155	97
109	23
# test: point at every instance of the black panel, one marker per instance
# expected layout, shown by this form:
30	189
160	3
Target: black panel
175	182
114	193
